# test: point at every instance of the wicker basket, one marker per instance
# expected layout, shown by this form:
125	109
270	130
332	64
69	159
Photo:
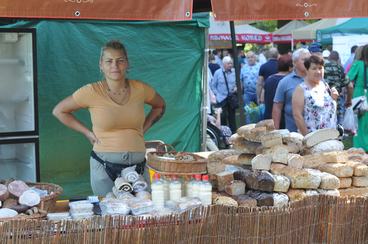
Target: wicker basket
37	216
48	202
158	162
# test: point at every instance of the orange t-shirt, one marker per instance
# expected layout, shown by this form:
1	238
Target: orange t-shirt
119	128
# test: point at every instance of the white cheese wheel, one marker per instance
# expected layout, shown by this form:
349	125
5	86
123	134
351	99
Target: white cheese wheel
29	198
7	213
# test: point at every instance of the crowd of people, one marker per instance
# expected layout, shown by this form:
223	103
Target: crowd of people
302	91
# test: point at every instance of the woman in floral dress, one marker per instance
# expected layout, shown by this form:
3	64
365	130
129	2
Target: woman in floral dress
314	103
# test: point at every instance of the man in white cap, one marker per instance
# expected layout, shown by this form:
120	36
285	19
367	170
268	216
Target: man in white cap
325	55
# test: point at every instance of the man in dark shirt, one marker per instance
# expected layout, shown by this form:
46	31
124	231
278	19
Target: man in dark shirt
212	65
335	77
266	69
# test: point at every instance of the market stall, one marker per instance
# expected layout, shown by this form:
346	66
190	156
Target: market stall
273	186
298	217
63	154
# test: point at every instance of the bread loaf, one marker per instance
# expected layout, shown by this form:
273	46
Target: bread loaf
280	199
241	174
354	191
294	138
227	201
311	193
338	169
246	201
334	192
223	179
263	199
316	160
296	194
354	150
279	154
318	136
356	157
361	181
235	188
329	181
254	134
242	159
218	156
277	168
327	146
295	161
261	162
345	182
271	139
301	178
244	146
360	169
245	129
268	123
282	183
215	164
259	180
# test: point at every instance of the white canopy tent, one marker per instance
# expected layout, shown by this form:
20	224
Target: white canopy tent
220	37
283	35
308	33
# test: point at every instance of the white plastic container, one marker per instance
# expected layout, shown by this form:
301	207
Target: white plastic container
175	189
189	188
166	188
205	191
158	192
196	186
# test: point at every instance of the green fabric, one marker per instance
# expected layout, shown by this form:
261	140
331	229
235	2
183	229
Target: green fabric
167	55
352	26
356	73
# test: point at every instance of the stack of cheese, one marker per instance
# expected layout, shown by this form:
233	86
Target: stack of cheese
272	169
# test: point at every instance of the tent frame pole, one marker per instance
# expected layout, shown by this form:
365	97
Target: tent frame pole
204	108
237	74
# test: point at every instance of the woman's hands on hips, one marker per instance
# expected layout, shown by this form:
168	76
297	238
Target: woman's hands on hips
92	137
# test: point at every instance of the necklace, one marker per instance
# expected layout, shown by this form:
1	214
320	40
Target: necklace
119	92
120	96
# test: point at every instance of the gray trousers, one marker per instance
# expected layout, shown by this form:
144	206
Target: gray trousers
100	182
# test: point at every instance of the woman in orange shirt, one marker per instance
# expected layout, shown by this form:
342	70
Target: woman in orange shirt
116	106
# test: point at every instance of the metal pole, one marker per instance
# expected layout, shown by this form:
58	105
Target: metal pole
237	74
205	108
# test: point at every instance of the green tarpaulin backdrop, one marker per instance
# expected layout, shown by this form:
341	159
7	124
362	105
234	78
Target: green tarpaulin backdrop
167	55
352	26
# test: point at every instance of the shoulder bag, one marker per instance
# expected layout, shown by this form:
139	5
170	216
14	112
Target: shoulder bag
360	104
231	99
